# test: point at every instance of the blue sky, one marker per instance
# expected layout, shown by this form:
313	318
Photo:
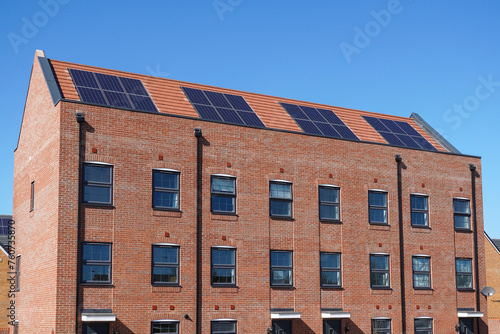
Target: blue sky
438	59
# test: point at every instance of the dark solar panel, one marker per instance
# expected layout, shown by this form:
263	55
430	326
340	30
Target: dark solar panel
399	133
113	91
4	226
221	107
321	122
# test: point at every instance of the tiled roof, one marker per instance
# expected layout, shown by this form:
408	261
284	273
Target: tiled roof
496	242
170	99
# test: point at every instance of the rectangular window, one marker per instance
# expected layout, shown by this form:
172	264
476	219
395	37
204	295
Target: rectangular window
330	270
419	210
421	272
280	199
282	268
381	326
165	264
97	183
32	197
223	327
18	272
329	203
463	268
164	327
379	271
96	262
223	194
461	214
223	266
423	325
377	201
165	189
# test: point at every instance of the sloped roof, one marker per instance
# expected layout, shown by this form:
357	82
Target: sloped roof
494	242
170	99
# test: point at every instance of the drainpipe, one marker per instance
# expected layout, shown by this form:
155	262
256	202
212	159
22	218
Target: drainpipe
474	228
80	118
199	211
401	243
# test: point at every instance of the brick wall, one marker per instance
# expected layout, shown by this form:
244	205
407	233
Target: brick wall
493	279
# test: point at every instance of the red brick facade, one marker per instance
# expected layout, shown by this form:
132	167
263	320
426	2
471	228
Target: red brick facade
133	143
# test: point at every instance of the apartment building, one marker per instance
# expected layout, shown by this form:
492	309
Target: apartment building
150	205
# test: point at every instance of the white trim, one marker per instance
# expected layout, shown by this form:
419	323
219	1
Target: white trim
381	318
470	314
462	198
420	194
167	170
4	251
285	181
223	319
224	175
165	244
329	185
381	190
223	246
98	163
421	255
165	320
380	254
285	315
98	317
424	318
335	315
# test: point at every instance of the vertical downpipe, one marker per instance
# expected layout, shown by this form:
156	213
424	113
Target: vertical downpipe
199	219
474	228
80	118
401	244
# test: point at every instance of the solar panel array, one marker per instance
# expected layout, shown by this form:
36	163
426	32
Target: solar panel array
113	91
4	226
221	107
399	133
317	121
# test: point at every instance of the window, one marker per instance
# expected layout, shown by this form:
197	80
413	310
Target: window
223	266
223	194
32	197
18	272
97	183
329	203
165	264
377	201
379	271
423	325
421	272
165	326
165	189
330	270
223	327
281	268
461	214
280	199
463	269
381	326
419	210
96	263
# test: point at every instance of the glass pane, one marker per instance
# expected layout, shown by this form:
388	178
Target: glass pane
166	180
94	173
377	199
462	221
464	281
97	194
223	256
461	206
329	212
166	200
164	275
223	326
165	254
281	259
328	194
379	279
418	203
464	265
421	280
421	264
96	252
223	275
222	203
330	260
95	273
419	218
379	262
381	324
223	185
330	278
378	216
161	328
280	208
423	324
279	190
281	277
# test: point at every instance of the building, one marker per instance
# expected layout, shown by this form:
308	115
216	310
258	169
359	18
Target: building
7	272
492	260
149	205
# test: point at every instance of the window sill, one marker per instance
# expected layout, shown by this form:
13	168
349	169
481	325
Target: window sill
100	205
283	287
223	213
104	285
425	227
379	224
423	289
465	290
282	218
463	230
326	287
380	288
174	285
330	221
166	209
224	286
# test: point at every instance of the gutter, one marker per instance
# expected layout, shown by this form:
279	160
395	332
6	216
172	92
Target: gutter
80	118
473	175
199	220
399	162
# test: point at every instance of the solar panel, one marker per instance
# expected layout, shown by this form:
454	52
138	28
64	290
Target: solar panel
4	226
222	107
399	133
113	91
317	121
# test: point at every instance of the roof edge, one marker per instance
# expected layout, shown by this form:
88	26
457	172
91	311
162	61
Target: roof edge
433	133
491	242
50	80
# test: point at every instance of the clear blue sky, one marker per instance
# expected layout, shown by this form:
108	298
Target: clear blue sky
436	58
